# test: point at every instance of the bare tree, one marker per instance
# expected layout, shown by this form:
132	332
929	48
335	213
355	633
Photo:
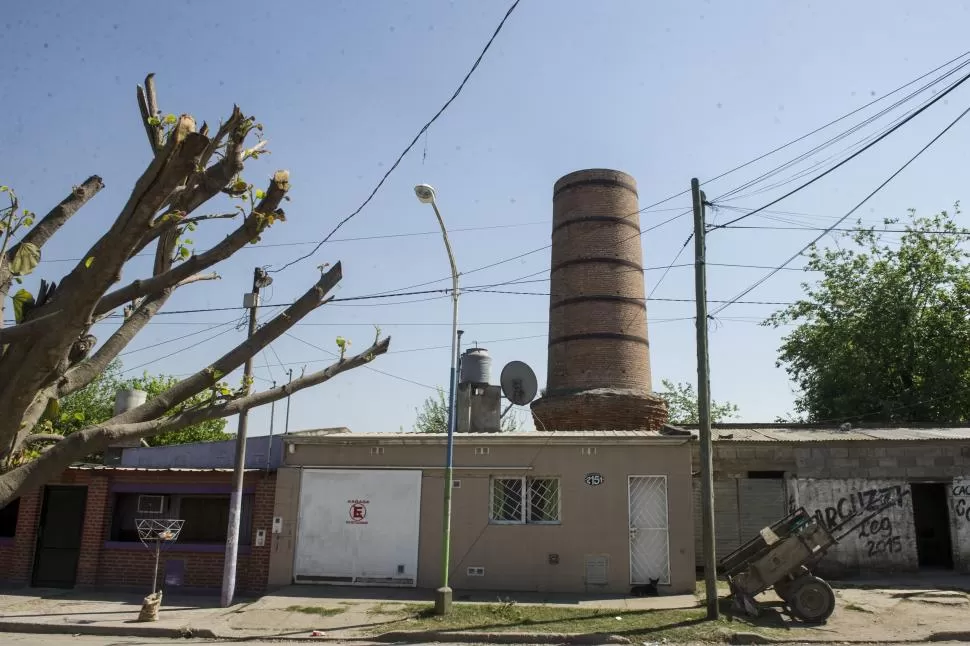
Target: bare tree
47	353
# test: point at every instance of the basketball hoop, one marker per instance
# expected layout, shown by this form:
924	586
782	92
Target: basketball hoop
153	533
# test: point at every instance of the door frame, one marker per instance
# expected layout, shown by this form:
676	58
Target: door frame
41	518
629	522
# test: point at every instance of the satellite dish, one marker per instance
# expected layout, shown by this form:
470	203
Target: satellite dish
519	384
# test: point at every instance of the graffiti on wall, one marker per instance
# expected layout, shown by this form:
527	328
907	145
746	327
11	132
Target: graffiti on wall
863	506
961	502
869	517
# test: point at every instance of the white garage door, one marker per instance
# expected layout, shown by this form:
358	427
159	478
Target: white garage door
358	527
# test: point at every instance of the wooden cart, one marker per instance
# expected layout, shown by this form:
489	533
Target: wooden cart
782	556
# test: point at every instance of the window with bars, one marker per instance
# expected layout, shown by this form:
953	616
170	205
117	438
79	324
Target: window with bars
525	501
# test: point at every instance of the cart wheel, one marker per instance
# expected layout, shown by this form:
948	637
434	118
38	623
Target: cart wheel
812	600
784	587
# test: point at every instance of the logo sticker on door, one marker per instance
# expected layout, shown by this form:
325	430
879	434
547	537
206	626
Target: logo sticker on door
358	512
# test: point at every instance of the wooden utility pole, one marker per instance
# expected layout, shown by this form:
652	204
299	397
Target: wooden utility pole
704	403
251	301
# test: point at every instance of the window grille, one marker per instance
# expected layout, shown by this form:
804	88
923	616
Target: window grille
525	500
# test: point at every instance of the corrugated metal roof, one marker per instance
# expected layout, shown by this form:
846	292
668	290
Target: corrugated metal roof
499	438
802	433
108	467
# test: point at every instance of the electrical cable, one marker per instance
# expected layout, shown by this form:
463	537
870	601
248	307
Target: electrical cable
178	338
368	367
938	97
826	231
411	145
720	176
869	120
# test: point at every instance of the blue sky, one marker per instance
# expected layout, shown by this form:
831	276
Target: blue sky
663	91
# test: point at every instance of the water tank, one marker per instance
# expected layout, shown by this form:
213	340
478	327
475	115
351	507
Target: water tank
125	400
476	366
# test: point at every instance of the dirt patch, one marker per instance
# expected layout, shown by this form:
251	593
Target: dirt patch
878	616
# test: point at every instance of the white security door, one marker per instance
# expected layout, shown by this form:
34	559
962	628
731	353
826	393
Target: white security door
649	537
358	527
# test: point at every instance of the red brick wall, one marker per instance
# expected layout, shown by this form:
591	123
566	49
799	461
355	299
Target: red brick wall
105	565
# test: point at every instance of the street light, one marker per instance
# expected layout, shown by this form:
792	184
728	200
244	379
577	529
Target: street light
443	595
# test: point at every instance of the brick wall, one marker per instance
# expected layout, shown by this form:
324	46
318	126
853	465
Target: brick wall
599	411
132	565
597	311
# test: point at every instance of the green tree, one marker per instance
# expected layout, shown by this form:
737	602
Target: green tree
681	401
94	404
884	334
432	417
193	178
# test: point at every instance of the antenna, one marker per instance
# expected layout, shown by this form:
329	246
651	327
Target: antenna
519	383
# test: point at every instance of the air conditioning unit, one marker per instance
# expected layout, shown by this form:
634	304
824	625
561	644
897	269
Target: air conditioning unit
151	504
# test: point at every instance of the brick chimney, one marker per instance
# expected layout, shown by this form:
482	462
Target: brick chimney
598	374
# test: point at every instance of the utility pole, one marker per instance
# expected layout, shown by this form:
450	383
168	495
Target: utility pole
251	301
272	418
704	402
286	427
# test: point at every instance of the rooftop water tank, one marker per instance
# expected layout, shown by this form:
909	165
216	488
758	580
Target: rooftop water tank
125	400
476	367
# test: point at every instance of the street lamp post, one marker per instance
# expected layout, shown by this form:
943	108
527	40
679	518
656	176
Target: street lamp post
443	595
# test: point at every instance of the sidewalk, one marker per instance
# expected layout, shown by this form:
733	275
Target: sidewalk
904	613
295	612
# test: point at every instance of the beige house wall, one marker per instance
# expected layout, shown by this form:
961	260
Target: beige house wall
594	520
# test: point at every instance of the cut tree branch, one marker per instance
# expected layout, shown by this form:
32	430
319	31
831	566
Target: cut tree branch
158	228
95	438
85	372
55	219
208	377
232	243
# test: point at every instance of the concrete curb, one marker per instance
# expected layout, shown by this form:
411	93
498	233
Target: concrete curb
182	632
431	636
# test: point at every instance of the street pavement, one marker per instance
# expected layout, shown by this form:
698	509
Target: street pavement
70	640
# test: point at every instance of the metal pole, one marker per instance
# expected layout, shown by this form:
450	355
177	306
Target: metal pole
158	550
272	418
235	502
286	428
704	403
443	595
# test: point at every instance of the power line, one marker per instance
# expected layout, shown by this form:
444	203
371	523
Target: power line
178	338
369	367
826	231
722	175
869	120
384	236
958	232
935	99
414	141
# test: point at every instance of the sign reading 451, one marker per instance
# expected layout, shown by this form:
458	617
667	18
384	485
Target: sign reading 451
595	479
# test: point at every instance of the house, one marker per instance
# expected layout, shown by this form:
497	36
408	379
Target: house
581	512
901	495
80	529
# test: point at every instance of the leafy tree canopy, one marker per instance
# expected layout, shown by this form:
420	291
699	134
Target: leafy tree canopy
94	404
681	401
884	334
433	416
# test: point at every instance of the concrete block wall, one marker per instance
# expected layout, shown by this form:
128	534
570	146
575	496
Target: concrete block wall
959	499
111	565
884	543
854	459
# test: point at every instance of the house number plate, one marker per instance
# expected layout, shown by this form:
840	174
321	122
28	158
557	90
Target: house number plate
595	479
